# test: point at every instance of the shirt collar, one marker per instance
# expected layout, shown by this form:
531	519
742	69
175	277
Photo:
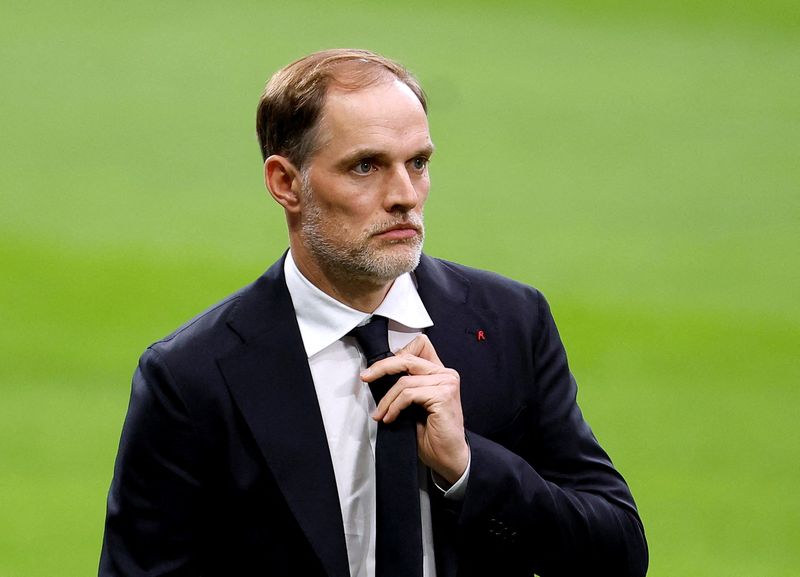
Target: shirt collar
323	320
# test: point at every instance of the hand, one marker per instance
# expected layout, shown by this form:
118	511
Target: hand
428	383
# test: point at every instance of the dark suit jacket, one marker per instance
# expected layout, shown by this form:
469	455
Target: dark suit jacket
223	466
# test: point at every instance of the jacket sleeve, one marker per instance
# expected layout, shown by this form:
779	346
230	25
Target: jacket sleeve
553	504
152	512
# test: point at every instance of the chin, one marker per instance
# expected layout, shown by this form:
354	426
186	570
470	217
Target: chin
391	263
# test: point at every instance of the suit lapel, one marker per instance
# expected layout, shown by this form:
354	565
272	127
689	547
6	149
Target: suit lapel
462	333
464	338
271	383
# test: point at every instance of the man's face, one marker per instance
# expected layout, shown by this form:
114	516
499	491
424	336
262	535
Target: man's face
365	187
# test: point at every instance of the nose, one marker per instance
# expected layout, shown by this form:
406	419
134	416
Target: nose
401	190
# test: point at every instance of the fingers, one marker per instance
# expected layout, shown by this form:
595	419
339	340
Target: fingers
417	358
440	437
432	392
435	388
425	382
421	347
398	365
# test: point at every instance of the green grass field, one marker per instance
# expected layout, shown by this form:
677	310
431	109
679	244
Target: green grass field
639	164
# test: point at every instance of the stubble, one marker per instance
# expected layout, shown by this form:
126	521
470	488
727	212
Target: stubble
362	258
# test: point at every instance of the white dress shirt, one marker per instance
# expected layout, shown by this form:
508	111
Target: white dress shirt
347	404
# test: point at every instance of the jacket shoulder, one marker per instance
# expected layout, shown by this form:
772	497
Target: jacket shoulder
206	327
220	327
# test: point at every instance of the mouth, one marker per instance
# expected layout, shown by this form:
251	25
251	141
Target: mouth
401	231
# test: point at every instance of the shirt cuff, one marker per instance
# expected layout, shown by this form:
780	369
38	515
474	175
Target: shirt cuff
458	489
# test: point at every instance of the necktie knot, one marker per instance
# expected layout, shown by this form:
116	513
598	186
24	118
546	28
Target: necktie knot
373	338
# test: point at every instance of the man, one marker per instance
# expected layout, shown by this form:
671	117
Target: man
256	441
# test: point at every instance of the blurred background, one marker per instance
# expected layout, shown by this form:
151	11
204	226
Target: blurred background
639	162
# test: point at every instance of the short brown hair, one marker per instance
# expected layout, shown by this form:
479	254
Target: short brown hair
290	107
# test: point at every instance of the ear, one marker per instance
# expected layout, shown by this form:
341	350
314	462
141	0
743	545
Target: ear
283	181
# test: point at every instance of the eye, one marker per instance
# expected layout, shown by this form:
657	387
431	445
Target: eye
363	167
419	163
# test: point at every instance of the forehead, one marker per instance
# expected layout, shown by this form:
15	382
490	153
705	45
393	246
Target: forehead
387	115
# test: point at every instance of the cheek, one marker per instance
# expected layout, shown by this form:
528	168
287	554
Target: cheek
423	188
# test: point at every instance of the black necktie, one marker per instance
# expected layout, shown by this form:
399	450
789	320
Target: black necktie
398	547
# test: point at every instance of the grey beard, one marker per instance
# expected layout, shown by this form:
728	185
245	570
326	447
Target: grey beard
358	260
